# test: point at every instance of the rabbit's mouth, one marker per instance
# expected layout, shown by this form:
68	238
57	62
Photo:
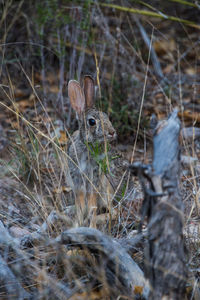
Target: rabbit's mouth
112	136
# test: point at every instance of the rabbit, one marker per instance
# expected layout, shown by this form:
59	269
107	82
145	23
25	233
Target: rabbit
95	169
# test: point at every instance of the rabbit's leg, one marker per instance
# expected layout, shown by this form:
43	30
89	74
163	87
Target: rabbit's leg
81	207
86	208
92	208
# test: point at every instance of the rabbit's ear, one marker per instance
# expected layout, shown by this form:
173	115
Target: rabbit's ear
76	96
88	87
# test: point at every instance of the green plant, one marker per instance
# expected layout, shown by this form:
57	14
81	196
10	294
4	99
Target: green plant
101	154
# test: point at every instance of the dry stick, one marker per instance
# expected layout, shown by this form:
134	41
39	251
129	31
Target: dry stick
165	254
154	58
43	71
142	101
60	98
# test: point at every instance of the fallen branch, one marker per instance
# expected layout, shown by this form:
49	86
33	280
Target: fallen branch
116	269
9	285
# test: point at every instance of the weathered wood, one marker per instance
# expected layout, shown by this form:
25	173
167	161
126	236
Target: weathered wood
10	288
41	235
165	255
114	267
105	263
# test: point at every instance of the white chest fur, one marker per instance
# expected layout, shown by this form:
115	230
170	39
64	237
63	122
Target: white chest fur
83	163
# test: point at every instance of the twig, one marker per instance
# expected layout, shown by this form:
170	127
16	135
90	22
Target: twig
154	58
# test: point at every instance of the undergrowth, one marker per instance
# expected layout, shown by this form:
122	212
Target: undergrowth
43	45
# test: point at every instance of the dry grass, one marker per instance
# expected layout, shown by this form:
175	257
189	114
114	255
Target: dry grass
35	199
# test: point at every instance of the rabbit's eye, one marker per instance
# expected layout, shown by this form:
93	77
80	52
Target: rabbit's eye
92	122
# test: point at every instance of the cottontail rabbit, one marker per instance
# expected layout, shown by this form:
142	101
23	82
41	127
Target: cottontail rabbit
95	170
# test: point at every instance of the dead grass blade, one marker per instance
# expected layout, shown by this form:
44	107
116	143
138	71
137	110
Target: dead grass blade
151	14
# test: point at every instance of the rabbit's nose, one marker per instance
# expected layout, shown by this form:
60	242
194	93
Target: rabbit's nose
112	134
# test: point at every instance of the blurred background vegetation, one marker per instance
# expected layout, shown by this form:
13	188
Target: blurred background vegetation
44	44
